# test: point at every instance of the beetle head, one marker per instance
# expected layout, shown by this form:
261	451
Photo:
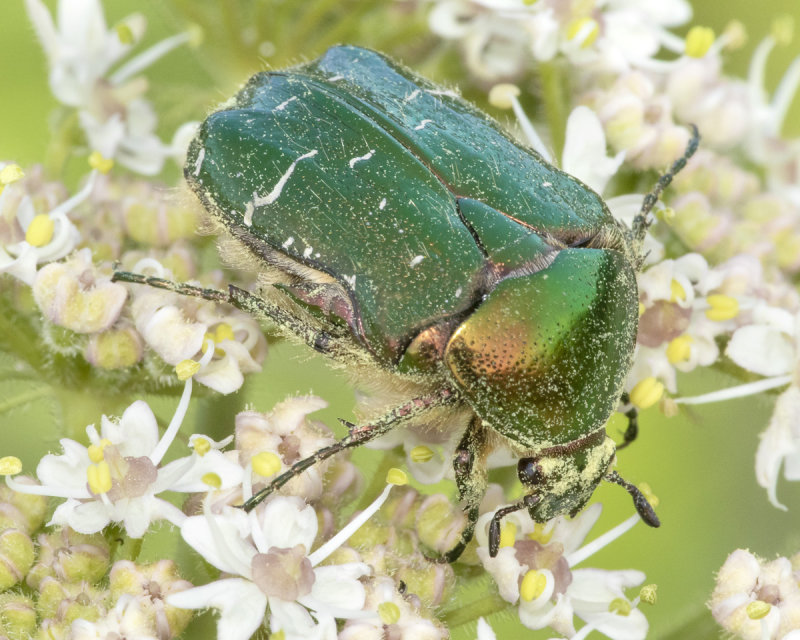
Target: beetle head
563	479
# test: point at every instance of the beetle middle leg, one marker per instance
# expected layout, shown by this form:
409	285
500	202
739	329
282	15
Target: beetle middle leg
322	341
632	431
469	464
359	434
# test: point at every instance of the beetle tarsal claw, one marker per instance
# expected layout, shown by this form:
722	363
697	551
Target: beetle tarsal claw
643	507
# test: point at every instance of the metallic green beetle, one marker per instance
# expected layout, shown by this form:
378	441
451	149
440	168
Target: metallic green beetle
397	227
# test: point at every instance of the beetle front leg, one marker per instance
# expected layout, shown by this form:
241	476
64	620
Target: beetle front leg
632	431
359	434
321	341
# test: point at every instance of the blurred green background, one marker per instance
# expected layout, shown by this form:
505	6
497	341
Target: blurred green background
700	464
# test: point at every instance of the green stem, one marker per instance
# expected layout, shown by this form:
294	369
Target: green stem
467	613
62	142
554	105
25	398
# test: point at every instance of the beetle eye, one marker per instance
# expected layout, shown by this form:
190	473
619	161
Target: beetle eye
529	472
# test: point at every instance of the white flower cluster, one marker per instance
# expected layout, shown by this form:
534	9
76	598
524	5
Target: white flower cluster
118	121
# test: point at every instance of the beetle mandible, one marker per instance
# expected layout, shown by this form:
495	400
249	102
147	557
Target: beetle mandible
397	228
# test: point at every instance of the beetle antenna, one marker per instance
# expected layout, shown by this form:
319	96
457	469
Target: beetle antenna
643	507
641	222
494	525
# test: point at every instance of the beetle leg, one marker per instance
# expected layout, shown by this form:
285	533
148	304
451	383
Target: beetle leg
321	341
358	435
643	507
641	222
632	431
494	526
471	480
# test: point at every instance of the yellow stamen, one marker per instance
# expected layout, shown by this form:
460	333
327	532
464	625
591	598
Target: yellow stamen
783	29
396	476
676	292
10	466
40	230
100	162
99	477
508	534
502	95
421	453
722	307
699	41
533	585
540	534
647	392
758	609
584	25
224	331
648	593
186	369
620	606
124	33
666	214
388	612
96	450
735	34
266	463
679	349
201	446
212	480
10	173
642	309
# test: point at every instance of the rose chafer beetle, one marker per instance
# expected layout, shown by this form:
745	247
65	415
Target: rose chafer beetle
399	230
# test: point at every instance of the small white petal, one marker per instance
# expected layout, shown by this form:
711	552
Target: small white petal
240	602
762	349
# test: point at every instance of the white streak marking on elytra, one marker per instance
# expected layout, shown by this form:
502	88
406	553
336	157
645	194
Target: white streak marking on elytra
199	162
248	213
272	196
422	124
307	253
335	78
382	204
411	95
416	261
458	292
547	184
366	156
288	242
284	104
443	92
351	280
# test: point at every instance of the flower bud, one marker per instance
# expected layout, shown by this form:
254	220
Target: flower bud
115	348
439	523
151	584
74	295
17	616
70	556
68	601
24	511
16	557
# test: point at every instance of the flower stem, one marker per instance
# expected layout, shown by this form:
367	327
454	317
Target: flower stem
467	613
554	105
